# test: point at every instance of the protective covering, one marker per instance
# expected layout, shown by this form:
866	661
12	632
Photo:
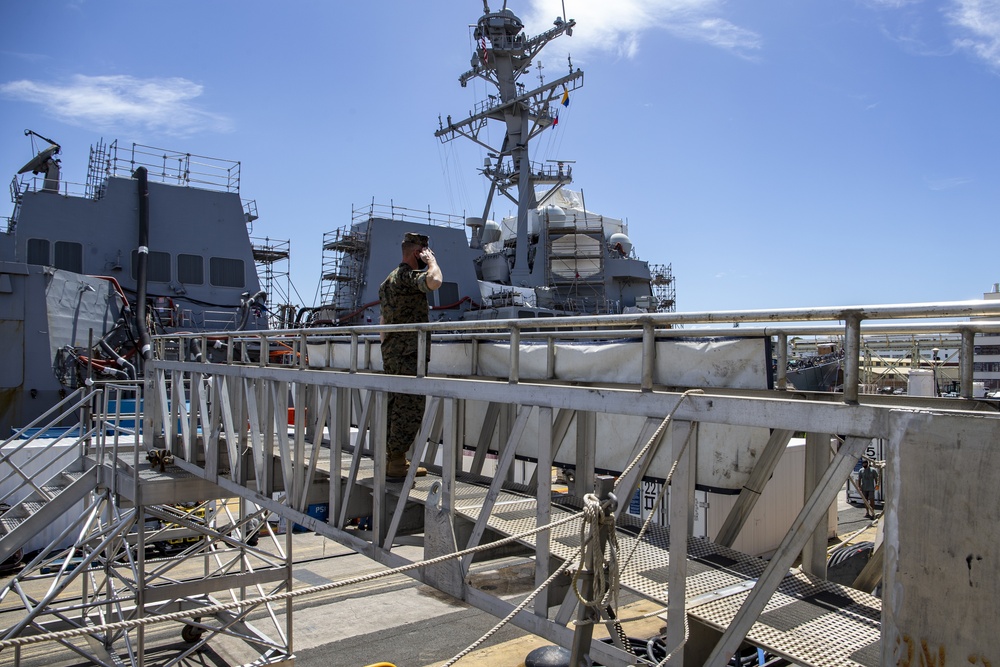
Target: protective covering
77	308
726	454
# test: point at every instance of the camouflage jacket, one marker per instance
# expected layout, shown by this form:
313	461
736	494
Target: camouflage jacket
403	297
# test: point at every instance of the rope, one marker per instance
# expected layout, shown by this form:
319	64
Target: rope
603	566
277	597
524	603
607	573
657	434
659	499
605	585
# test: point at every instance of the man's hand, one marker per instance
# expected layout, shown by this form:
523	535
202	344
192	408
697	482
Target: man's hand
434	277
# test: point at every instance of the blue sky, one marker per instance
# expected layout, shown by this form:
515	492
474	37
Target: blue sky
778	153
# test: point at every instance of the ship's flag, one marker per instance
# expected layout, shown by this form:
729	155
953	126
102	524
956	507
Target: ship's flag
555	121
486	54
565	97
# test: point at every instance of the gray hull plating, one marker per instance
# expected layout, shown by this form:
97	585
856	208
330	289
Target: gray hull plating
69	278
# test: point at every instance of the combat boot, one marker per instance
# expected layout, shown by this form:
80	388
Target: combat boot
397	466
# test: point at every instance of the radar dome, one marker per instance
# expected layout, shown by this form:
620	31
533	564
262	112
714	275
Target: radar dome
491	231
621	243
554	215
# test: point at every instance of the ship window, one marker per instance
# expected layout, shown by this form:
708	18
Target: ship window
190	270
224	272
38	251
69	256
157	266
447	294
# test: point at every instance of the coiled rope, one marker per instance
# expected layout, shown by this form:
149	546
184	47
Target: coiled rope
659	500
607	574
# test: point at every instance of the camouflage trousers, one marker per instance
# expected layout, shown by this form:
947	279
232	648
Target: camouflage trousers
406	411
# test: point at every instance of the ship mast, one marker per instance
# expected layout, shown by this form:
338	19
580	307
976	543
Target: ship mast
502	56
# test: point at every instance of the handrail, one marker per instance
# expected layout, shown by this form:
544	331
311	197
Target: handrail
791	316
74	401
98	429
854	322
45	415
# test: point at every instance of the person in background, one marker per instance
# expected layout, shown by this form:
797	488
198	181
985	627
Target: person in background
868	480
403	298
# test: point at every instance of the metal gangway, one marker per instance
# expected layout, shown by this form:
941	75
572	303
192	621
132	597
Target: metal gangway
278	424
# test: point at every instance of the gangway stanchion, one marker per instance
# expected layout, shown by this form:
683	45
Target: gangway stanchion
600	512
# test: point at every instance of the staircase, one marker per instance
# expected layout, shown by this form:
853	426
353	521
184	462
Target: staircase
27	518
45	470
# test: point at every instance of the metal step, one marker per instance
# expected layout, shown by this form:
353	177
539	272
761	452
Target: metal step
23	520
811	622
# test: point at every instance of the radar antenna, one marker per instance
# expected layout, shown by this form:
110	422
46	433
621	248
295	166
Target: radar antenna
503	54
44	162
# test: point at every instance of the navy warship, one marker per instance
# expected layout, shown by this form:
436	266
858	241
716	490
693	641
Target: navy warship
553	257
155	241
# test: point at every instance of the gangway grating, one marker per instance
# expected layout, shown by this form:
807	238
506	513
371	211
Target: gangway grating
810	621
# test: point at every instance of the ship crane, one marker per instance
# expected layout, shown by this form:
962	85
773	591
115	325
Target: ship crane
502	55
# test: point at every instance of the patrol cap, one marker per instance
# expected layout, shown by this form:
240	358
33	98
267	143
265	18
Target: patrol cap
415	239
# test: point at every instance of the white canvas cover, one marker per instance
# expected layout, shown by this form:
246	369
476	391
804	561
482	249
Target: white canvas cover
726	454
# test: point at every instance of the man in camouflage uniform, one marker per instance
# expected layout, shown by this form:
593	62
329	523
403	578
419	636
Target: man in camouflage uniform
403	297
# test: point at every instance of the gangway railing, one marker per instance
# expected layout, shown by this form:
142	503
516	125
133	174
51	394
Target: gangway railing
307	425
781	325
332	380
44	425
107	425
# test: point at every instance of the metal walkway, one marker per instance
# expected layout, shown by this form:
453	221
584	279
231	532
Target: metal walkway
269	435
808	619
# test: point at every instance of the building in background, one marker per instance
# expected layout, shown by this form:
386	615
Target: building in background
986	368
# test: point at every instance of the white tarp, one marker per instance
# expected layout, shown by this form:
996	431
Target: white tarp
726	454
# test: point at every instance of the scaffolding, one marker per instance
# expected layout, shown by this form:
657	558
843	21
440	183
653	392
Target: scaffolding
271	257
575	252
345	252
663	286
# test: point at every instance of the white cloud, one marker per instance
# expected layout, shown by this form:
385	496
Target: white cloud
892	4
110	102
979	24
940	184
617	27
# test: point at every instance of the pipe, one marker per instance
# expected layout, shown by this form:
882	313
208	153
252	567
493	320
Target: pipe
118	359
247	302
852	357
145	344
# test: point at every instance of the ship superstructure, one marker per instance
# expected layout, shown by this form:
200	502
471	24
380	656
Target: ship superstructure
551	257
154	241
